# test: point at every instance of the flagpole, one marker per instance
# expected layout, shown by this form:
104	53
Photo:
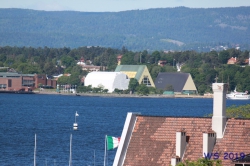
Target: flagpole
107	157
105	151
94	157
35	152
70	155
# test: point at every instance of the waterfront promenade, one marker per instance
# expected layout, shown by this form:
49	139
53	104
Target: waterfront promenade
49	92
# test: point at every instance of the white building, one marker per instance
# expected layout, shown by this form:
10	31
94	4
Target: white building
109	80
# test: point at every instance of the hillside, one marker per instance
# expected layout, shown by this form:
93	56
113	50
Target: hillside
154	29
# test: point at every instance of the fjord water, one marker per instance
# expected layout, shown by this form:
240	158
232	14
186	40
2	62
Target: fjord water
51	118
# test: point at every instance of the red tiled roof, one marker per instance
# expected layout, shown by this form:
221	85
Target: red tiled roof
236	139
119	56
232	61
153	139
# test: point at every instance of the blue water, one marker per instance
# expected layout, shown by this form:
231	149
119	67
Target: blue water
51	118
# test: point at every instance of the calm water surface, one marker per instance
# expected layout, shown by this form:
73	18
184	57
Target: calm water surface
51	118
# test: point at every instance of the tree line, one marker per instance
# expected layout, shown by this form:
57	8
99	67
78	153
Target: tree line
204	67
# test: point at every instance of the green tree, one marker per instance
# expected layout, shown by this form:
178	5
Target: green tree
67	61
112	62
84	89
242	111
223	56
202	89
105	90
155	71
156	56
142	89
133	83
3	58
63	80
128	59
234	111
118	91
201	162
49	68
74	79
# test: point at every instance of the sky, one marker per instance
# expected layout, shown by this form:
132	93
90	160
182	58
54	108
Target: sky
116	5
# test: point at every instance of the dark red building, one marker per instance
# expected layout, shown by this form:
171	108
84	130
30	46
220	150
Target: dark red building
11	81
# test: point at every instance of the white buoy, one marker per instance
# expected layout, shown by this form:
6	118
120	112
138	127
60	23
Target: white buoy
75	126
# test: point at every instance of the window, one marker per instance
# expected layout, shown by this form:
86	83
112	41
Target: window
13	76
2	86
9	83
146	81
28	83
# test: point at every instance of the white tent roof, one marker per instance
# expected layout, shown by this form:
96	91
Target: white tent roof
110	80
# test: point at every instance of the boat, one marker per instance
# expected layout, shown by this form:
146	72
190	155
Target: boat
75	125
238	95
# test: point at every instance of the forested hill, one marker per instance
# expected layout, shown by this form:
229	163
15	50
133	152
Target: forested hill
178	28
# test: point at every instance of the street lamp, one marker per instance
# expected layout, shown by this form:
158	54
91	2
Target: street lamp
140	57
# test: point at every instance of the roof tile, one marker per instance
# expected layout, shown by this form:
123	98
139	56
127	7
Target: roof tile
153	139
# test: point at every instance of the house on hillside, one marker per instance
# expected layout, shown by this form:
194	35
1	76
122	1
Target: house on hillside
107	80
164	140
88	66
119	58
162	63
140	72
232	60
182	83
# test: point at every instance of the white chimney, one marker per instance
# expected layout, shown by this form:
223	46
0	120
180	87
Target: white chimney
209	139
175	161
219	108
180	143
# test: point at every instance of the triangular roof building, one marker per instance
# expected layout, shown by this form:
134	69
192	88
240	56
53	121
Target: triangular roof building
181	82
140	72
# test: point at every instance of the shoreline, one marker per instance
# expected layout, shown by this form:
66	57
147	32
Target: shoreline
123	95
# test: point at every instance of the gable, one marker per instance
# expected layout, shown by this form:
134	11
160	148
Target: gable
145	78
189	84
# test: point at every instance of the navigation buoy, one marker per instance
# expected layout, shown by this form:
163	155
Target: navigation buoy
75	126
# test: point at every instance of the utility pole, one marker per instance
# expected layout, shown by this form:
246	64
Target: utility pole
249	60
140	57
